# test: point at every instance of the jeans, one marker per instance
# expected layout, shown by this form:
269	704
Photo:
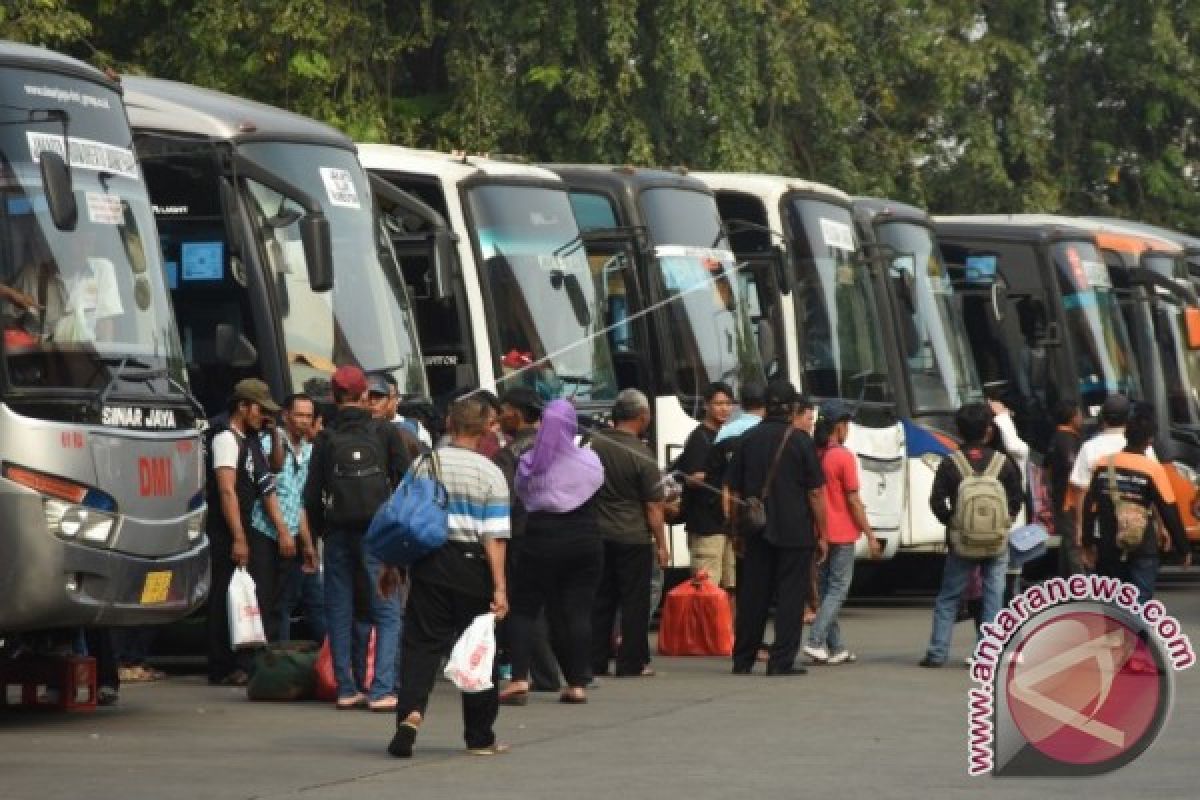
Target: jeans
341	560
299	588
1141	571
836	574
955	574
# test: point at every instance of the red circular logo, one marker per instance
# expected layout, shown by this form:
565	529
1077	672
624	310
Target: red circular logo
1084	688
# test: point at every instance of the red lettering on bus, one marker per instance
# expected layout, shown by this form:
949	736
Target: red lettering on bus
154	477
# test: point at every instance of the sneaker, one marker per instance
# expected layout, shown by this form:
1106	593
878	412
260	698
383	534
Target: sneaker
931	663
819	655
494	749
842	656
106	696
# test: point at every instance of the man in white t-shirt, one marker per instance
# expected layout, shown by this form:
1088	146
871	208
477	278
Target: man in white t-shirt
1111	439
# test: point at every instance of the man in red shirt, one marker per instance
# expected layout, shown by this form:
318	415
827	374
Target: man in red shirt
846	520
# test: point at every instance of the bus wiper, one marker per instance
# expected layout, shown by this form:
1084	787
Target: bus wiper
145	374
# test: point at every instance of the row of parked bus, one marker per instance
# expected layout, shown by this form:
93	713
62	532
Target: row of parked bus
160	241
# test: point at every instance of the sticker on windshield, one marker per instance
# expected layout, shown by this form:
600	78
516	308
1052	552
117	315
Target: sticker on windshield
339	185
837	235
85	154
105	209
687	268
1097	274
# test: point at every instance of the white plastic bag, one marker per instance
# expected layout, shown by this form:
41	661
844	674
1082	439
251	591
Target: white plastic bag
471	660
245	618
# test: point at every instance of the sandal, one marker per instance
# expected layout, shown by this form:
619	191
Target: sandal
357	700
383	704
493	749
516	697
573	699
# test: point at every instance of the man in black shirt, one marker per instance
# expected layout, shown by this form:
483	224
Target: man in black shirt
708	540
1060	459
778	559
975	426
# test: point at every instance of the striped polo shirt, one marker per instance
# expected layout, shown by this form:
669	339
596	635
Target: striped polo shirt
478	495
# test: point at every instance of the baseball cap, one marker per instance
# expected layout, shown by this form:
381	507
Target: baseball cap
1115	408
255	391
350	380
834	411
377	384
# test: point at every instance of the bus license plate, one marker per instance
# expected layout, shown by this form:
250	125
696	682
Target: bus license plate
156	587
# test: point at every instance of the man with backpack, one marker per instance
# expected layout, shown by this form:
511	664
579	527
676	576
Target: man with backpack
1126	489
356	461
977	492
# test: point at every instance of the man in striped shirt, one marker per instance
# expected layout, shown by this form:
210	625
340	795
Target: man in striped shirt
455	584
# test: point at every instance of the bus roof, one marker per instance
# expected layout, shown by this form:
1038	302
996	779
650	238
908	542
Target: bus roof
772	187
1036	228
14	54
615	177
1124	238
448	166
173	107
893	209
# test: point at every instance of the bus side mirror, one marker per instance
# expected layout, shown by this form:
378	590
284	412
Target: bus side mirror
1191	318
60	196
318	251
445	243
233	348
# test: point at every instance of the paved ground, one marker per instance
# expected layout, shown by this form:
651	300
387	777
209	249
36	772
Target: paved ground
881	728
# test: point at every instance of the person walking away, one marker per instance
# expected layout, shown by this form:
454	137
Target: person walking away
1060	460
846	520
777	464
976	494
520	415
452	586
237	475
708	540
356	462
290	448
630	513
561	557
1127	489
1114	414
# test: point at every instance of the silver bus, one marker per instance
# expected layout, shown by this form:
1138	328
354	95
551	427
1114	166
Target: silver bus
101	501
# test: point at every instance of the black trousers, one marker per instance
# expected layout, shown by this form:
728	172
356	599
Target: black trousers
544	674
556	572
768	572
624	586
433	620
100	647
264	569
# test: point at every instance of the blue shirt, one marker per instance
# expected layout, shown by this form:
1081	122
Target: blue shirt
289	487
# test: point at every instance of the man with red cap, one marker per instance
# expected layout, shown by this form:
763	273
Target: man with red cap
356	462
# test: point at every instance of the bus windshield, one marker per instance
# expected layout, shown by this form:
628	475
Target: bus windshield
836	313
549	312
708	311
932	336
80	308
366	320
1103	354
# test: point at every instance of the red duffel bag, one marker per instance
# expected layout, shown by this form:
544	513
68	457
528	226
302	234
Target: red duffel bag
326	686
696	620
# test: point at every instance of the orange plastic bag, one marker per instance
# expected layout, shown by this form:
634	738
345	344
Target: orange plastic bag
696	620
326	686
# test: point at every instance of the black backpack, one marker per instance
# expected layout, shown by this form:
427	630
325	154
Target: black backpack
356	478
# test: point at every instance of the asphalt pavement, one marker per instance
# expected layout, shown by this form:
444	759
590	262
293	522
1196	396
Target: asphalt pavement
881	728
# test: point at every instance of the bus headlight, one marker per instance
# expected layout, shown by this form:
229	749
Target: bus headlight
195	527
75	522
1187	473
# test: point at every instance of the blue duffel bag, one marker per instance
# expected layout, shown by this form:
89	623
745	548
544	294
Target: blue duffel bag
412	523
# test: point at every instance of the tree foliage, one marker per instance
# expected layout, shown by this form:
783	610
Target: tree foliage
1080	106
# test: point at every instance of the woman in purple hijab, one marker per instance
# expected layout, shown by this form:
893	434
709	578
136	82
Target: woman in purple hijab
558	561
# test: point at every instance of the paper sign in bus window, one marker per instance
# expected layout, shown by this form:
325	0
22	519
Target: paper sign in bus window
837	235
339	185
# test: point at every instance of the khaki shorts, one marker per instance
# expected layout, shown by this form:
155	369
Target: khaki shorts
714	553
